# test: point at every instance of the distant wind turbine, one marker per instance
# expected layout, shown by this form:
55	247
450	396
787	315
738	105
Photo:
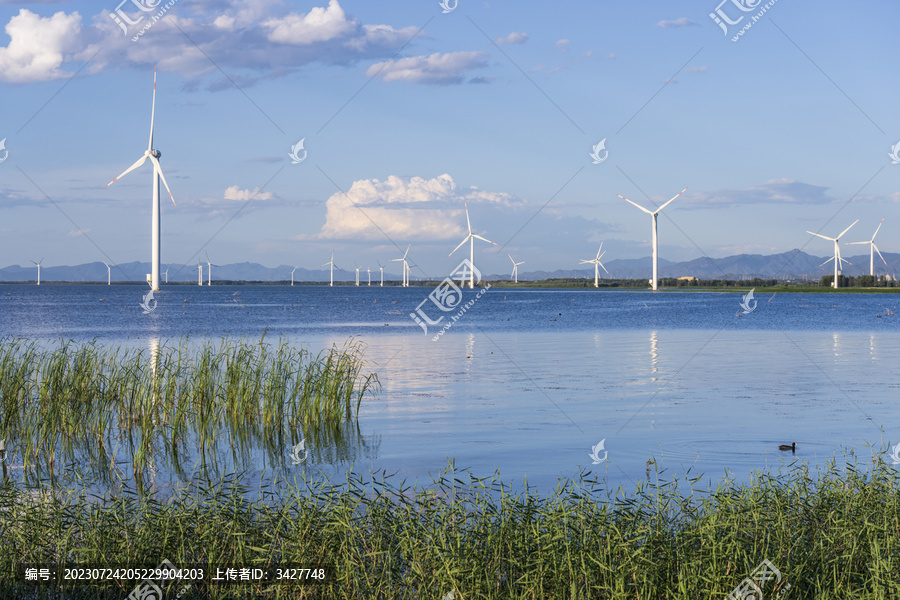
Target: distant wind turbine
369	271
515	271
154	156
357	276
382	274
292	275
597	264
872	249
200	274
471	239
404	267
108	275
167	274
837	253
209	267
331	262
655	239
38	263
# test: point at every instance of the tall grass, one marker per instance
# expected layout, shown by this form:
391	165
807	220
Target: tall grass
833	537
90	399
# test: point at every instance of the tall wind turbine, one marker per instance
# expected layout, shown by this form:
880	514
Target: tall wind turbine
382	274
837	253
167	274
209	267
292	275
872	249
154	156
515	271
200	274
331	262
357	276
404	266
654	238
369	271
108	275
597	264
38	263
471	239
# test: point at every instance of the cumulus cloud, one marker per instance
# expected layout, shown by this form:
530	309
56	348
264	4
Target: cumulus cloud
404	209
437	68
318	25
234	192
774	191
513	38
38	45
679	22
78	232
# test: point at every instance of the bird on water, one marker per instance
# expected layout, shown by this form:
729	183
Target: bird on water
792	447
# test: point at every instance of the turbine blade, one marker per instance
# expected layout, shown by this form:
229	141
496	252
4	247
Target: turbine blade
159	172
584	262
599	249
877	228
846	230
879	254
152	110
633	204
604	268
670	201
484	239
136	164
511	259
853	243
827	261
468	222
820	235
457	248
407	250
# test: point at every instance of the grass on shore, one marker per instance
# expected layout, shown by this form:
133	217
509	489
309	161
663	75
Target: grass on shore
836	536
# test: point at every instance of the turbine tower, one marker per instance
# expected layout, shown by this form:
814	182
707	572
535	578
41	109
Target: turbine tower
837	254
369	271
153	155
331	262
471	239
382	274
108	275
872	250
515	271
167	274
404	266
357	276
200	274
209	267
292	276
597	264
38	263
654	238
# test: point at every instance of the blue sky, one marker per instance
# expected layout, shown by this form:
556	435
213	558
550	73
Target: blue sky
407	112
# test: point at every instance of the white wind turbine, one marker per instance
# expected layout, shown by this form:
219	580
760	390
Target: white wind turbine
404	266
515	271
471	239
167	274
654	237
200	274
872	249
382	274
357	276
331	262
597	264
38	263
292	275
837	254
369	271
209	267
154	156
108	275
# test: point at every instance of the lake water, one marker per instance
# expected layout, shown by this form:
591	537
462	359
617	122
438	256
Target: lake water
526	382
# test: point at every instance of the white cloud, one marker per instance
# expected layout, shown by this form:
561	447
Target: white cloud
318	25
513	38
234	192
563	44
38	45
78	232
696	69
436	68
774	191
679	22
403	209
224	22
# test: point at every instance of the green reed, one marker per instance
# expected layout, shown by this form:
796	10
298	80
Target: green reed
91	399
833	537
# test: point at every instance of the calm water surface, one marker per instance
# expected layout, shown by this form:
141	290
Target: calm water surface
527	381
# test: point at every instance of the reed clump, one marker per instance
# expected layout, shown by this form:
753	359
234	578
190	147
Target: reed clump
835	536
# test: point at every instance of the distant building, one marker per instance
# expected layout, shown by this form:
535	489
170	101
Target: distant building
687	279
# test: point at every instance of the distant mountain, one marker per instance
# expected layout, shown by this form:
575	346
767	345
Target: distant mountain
787	265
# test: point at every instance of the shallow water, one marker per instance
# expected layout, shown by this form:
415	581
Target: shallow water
527	382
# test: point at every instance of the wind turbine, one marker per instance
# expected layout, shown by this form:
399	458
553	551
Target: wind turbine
654	238
200	274
837	253
404	266
369	271
471	239
515	271
292	275
597	264
167	274
209	267
357	276
38	263
382	274
331	262
154	156
108	275
872	249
